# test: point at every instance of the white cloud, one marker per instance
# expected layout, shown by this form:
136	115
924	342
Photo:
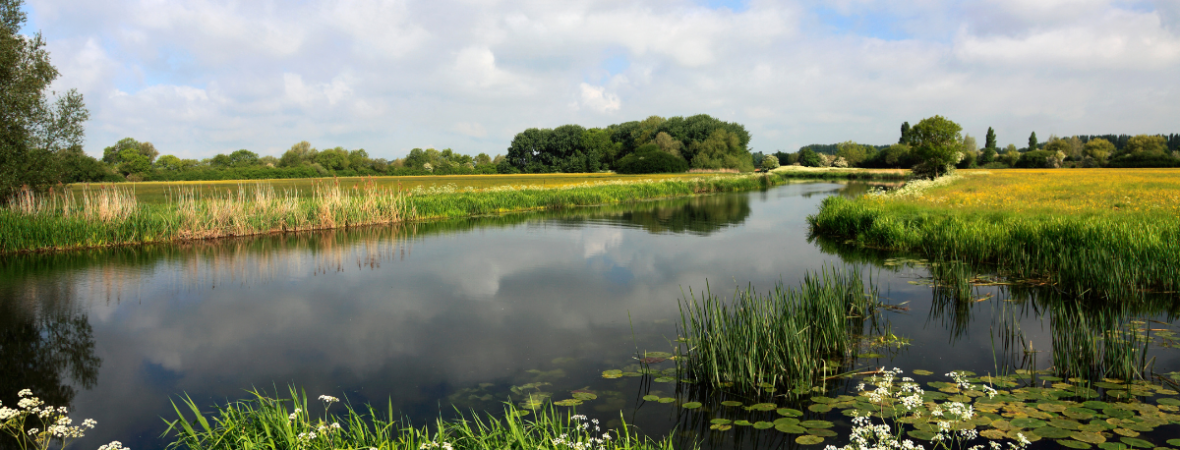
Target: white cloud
472	129
596	98
208	76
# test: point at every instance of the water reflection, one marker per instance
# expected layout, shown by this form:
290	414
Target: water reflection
46	344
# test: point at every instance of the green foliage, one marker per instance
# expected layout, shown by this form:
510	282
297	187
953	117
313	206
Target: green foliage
571	148
78	167
813	328
1037	159
33	126
854	153
722	150
131	162
990	140
770	162
937	145
267	422
809	158
906	137
651	159
1011	155
1032	141
1144	147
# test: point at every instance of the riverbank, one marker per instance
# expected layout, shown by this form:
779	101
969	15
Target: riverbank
838	173
112	215
1111	232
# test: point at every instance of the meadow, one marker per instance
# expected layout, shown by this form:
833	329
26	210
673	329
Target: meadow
1106	232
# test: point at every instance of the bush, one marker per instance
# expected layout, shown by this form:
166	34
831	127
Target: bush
770	162
651	161
1038	159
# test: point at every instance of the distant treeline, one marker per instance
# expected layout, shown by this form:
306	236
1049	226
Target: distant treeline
654	144
1107	150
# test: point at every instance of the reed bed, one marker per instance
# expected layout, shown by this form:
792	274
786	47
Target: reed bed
1113	251
264	422
111	215
789	337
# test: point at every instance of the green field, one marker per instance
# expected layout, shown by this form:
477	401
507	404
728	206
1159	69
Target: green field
156	192
1114	233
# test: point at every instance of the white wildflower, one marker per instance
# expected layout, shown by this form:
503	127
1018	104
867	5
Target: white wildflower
328	399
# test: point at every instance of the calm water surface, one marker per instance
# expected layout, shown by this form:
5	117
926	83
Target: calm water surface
457	313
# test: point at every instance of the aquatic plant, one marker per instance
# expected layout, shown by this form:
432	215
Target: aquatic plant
262	421
54	424
789	337
946	425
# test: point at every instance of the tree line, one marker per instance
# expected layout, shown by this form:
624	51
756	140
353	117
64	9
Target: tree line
1110	150
655	144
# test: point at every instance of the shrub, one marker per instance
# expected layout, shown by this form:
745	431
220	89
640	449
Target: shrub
770	162
649	159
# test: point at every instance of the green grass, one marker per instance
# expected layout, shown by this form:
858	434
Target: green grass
837	173
1081	252
265	422
113	216
157	192
789	337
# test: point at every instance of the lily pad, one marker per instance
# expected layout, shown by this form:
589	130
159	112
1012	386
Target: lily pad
1175	442
691	405
651	398
1088	437
1168	401
664	379
762	407
791	429
923	435
584	396
667	399
786	421
1079	413
824	400
720	421
809	439
789	412
1074	444
819	408
923	372
821	432
731	403
993	434
1027	423
613	373
568	402
761	425
816	424
742	423
1136	442
1126	432
1051	432
1112	446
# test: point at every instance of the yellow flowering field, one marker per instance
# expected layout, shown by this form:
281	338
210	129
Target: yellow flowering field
1101	192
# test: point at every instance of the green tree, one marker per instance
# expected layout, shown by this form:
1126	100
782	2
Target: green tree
110	155
33	126
896	155
937	145
808	158
1099	150
668	144
990	140
131	162
770	162
1011	155
853	153
722	150
1145	146
243	158
298	155
905	134
1032	141
482	159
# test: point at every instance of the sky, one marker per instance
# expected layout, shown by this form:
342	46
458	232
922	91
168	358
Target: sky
202	77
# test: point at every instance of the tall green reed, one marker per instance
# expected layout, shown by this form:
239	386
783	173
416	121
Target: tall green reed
788	337
265	422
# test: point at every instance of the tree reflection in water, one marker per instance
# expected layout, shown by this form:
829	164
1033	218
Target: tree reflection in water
46	345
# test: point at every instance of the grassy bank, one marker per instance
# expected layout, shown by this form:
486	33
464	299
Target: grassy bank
1111	232
837	173
157	192
108	216
787	338
277	424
